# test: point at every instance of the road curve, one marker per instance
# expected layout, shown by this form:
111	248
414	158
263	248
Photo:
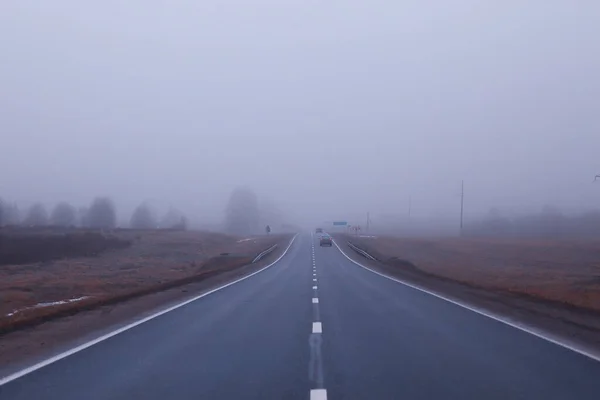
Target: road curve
316	326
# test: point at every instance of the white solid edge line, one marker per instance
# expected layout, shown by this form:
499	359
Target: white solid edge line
317	327
102	338
479	311
315	300
318	394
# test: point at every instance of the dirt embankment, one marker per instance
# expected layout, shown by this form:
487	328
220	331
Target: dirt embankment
551	284
57	274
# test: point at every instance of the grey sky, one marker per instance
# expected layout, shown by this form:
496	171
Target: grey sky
330	108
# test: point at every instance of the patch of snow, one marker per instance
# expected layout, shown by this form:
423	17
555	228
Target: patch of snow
42	305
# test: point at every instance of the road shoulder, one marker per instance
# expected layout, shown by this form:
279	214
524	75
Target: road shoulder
25	347
570	327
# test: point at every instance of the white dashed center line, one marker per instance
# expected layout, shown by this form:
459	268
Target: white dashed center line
316	375
318	394
317	327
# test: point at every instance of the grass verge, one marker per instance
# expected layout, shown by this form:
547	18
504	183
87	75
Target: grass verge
565	272
153	262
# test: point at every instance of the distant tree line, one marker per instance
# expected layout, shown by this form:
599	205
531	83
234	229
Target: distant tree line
64	214
101	214
9	213
244	215
550	222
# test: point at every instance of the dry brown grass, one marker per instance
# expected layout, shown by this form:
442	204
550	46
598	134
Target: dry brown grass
155	261
566	271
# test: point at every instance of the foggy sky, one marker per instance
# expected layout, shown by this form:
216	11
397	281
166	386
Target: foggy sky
328	108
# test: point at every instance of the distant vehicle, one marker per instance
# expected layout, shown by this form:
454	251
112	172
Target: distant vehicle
325	241
319	230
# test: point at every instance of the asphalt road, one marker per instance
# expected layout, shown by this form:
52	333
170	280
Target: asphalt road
316	321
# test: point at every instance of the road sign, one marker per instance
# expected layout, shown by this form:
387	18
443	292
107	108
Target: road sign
340	223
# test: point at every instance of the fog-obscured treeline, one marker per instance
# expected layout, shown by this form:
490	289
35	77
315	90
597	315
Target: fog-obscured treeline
550	222
100	214
403	226
243	215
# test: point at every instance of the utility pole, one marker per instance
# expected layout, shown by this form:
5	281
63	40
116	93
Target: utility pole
409	206
462	202
368	222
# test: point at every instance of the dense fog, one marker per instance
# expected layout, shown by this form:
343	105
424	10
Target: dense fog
317	111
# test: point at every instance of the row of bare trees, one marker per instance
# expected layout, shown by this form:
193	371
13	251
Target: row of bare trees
243	215
101	214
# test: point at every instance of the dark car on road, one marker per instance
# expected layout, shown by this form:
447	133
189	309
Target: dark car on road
325	241
319	230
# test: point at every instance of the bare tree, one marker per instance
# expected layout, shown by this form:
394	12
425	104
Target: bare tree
143	217
182	224
102	214
63	215
173	219
36	215
82	216
11	214
242	213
